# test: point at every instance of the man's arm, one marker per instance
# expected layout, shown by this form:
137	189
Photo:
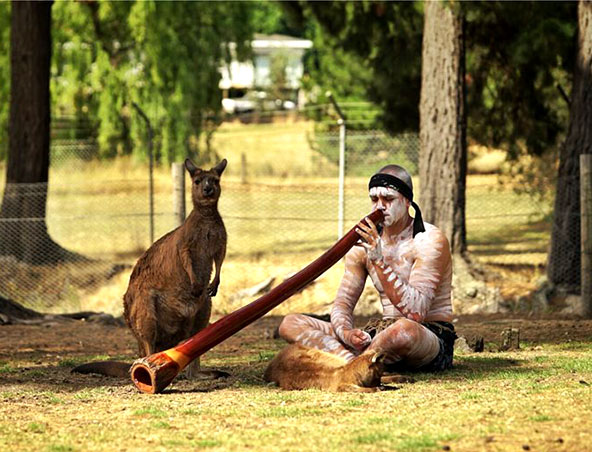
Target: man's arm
413	297
350	289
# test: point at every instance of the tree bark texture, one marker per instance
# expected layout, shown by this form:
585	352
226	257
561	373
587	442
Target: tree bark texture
563	269
23	230
442	162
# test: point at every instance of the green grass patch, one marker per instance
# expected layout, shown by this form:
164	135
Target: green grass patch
355	403
35	427
36	373
576	364
288	411
206	443
150	411
540	418
59	448
161	425
51	397
576	346
542	359
6	368
70	362
91	393
471	395
418	443
266	356
77	360
373	438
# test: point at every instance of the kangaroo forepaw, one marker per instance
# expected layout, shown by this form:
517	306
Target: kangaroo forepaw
212	290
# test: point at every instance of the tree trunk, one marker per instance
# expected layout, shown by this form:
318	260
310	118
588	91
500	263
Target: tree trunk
563	268
23	231
443	156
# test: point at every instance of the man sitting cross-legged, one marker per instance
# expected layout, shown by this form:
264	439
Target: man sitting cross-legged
411	267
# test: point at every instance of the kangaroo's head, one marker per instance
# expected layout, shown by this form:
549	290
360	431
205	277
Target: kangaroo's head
205	185
368	368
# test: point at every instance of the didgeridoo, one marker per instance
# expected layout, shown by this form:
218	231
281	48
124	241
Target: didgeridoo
153	373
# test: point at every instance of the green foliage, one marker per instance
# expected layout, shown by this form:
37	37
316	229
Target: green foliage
378	47
518	53
330	68
516	56
272	17
163	56
277	75
327	66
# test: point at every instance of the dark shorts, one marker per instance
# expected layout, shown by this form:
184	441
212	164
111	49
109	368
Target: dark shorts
443	330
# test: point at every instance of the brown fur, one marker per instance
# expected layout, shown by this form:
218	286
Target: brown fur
168	298
300	367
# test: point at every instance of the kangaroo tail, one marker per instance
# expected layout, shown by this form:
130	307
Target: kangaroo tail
109	368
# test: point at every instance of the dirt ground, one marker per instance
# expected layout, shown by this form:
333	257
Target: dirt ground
63	340
43	406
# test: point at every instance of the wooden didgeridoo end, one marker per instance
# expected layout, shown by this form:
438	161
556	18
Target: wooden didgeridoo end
155	372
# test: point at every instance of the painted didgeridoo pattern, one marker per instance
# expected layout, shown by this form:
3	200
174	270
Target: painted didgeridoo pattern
152	374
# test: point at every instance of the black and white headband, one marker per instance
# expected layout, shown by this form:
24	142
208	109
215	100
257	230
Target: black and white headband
390	181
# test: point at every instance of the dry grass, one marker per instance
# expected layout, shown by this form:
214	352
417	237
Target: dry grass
537	398
276	226
277	150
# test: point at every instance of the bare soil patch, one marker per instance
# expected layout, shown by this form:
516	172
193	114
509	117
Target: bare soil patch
71	339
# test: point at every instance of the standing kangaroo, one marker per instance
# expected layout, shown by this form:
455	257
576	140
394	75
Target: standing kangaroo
300	367
168	298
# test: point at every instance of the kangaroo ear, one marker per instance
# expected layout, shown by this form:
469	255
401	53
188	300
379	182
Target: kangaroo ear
219	168
378	357
190	166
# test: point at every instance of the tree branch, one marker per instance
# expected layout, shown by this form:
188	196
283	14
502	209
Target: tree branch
563	94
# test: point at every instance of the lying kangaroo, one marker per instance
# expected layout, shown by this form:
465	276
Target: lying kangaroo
168	298
300	367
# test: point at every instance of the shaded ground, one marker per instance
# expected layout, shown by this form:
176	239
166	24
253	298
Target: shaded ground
65	343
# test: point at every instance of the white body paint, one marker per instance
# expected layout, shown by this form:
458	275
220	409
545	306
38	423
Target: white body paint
413	276
396	211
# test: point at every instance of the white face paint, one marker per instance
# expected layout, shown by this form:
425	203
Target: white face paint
390	201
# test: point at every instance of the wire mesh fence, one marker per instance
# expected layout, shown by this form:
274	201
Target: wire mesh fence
280	197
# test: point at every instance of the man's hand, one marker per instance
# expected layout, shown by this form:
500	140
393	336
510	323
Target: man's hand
371	239
357	338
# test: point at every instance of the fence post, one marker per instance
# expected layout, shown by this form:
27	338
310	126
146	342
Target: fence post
341	200
586	232
341	210
178	193
243	174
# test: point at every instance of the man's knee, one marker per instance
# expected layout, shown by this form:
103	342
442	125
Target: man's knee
404	334
290	327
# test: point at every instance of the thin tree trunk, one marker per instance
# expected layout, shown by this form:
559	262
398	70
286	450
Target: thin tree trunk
442	163
23	230
563	268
